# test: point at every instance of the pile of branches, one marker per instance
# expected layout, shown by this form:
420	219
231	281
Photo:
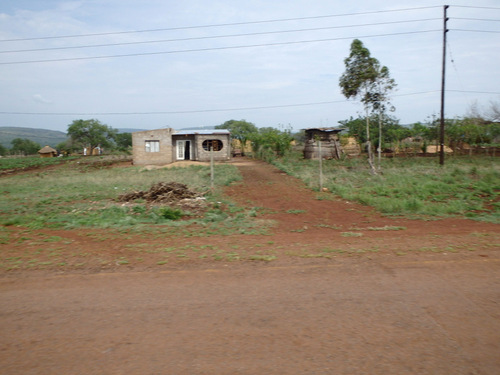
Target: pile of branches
161	192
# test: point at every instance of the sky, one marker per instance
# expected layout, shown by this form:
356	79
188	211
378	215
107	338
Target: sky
150	64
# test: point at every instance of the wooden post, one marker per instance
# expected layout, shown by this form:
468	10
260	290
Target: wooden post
320	166
211	166
443	75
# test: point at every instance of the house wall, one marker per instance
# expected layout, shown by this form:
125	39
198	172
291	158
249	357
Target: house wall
223	154
163	156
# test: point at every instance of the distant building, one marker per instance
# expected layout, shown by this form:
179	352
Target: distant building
47	152
330	143
165	146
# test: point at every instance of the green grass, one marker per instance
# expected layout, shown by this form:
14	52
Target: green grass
30	162
69	197
411	187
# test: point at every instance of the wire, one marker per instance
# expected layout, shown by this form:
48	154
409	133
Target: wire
218	109
475	19
470	6
192	111
477	92
476	31
218	25
219	36
212	48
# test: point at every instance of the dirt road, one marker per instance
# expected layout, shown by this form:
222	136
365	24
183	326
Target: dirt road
377	312
398	317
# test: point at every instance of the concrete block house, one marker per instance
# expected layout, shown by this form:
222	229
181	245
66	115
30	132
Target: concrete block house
165	146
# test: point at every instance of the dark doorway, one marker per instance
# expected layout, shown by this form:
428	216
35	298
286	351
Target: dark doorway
187	151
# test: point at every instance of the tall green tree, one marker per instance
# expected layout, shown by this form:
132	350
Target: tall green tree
357	82
24	146
91	133
241	130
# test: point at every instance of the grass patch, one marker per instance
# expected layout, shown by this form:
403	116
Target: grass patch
351	234
74	199
410	187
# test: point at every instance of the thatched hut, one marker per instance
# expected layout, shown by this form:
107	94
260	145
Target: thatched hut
47	152
330	143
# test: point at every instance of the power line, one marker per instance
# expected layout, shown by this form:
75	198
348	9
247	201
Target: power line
218	25
220	109
477	92
475	19
219	36
212	48
196	110
474	7
476	31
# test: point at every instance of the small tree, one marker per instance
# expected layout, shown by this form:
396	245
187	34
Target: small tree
3	150
270	142
241	130
378	97
91	133
358	79
24	146
123	141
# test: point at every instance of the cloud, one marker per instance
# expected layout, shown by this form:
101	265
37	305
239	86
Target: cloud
40	99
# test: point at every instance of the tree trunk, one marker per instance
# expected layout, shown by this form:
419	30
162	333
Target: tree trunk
369	146
379	150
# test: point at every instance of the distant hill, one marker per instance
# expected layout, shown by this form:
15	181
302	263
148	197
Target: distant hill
43	137
127	130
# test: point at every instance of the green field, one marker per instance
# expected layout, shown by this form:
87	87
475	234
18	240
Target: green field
83	194
414	187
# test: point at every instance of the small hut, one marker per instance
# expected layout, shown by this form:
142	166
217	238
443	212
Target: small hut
47	152
330	143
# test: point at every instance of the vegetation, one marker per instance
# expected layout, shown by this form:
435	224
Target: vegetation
242	130
91	134
67	198
23	146
29	162
40	136
413	187
269	143
462	134
366	80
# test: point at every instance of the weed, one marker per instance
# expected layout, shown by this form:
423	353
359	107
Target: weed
265	258
351	234
170	213
385	228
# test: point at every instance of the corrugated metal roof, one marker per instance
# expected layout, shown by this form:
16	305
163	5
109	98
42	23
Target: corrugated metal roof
337	130
202	131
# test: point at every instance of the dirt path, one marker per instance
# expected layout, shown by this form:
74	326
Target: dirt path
420	300
320	221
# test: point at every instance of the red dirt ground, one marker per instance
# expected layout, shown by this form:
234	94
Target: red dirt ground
338	295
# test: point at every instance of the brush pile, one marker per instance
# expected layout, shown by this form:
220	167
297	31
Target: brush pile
162	192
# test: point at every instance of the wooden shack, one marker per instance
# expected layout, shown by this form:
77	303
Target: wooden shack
47	152
330	143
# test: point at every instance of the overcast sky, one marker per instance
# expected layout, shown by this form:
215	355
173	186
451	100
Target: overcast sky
196	63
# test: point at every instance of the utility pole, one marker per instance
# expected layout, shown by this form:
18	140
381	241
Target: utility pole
443	74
